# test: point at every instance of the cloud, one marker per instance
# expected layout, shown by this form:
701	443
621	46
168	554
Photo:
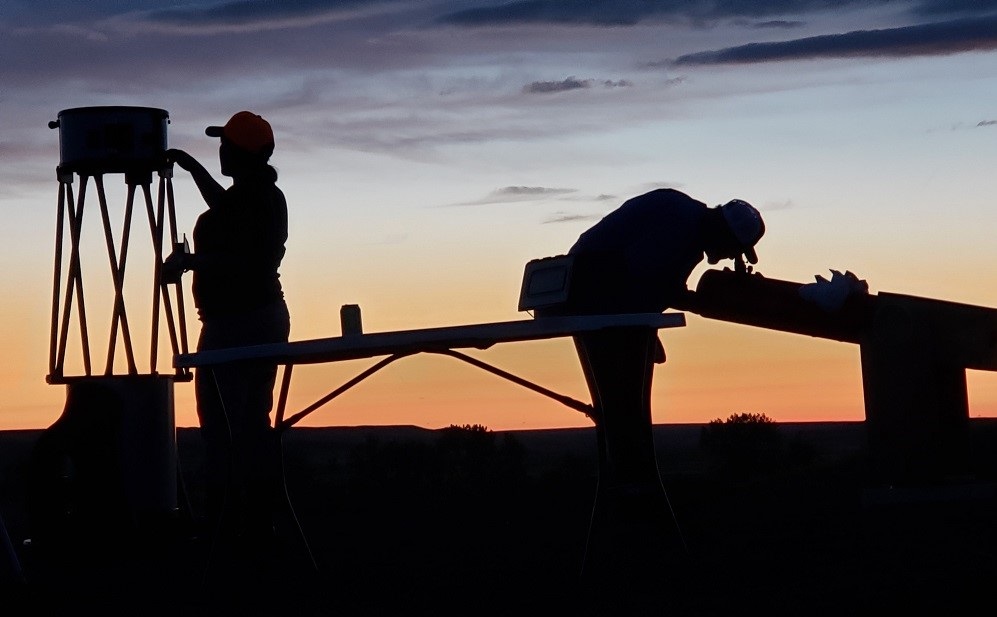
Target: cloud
589	198
565	217
943	38
168	46
547	87
780	24
213	16
516	194
570	217
572	83
610	13
594	12
368	85
934	8
251	15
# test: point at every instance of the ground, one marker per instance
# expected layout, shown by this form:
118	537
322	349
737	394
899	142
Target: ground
406	521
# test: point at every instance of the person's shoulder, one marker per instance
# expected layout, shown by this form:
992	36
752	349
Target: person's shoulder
673	195
665	198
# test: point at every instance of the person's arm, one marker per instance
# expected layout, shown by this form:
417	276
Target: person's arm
210	189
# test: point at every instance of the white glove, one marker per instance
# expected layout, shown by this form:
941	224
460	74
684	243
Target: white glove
830	295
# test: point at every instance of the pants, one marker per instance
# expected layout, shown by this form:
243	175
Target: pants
633	539
233	407
633	543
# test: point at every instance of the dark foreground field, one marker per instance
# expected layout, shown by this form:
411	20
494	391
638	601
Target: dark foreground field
406	521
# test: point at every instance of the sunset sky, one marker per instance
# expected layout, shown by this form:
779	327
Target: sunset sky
428	150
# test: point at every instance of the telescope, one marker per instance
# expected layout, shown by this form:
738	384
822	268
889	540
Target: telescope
914	353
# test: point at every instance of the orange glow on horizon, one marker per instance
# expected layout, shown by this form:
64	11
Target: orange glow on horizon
713	369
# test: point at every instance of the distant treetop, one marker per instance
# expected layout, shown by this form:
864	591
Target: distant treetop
744	418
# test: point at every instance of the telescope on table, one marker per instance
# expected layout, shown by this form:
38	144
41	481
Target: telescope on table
914	353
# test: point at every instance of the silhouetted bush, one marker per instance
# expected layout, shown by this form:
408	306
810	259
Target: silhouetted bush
742	445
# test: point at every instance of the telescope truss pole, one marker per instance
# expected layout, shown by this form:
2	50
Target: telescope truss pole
74	278
65	181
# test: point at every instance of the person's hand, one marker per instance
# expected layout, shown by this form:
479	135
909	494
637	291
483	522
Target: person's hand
181	158
173	267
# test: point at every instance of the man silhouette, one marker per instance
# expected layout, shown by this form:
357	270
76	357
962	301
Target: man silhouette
637	259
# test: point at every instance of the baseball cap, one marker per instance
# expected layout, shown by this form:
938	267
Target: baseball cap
745	222
246	130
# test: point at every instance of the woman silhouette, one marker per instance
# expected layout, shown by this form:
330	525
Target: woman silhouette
238	246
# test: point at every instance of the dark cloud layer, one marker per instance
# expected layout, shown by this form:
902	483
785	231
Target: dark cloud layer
107	40
194	14
466	12
631	12
175	12
700	12
254	12
197	56
935	8
957	36
33	12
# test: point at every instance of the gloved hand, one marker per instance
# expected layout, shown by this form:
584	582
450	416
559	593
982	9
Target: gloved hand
174	266
830	295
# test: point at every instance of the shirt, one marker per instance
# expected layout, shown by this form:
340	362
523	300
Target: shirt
239	243
652	243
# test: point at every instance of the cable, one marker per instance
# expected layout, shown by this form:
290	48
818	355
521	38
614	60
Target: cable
290	506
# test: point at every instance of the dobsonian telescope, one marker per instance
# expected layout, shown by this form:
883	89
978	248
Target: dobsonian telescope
914	353
124	414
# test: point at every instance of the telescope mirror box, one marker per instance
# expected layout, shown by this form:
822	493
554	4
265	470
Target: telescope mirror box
546	282
111	139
